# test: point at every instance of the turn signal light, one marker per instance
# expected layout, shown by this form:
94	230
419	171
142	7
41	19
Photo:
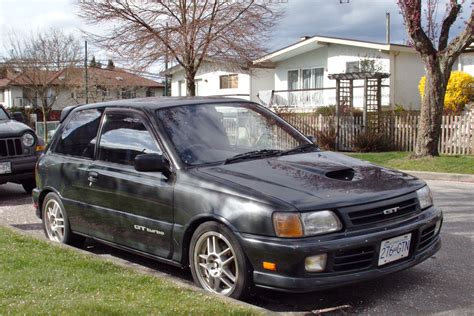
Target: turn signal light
40	148
287	225
269	266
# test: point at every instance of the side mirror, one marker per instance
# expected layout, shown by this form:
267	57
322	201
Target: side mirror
18	116
152	163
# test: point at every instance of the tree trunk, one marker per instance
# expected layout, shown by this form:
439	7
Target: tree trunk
431	109
190	83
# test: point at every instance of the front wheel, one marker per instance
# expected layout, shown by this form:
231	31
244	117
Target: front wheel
218	263
56	222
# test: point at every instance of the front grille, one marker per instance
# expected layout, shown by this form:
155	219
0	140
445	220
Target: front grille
10	147
354	259
376	215
427	236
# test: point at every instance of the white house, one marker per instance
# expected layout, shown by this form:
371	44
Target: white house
297	75
218	79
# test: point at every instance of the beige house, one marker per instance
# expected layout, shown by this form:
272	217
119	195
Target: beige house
68	87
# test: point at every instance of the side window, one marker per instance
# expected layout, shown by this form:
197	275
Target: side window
123	137
78	137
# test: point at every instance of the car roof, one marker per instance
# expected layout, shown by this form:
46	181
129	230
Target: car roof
154	103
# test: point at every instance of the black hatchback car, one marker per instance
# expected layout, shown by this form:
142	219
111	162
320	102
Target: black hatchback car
231	190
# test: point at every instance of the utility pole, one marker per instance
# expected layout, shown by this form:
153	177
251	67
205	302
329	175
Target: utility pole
387	34
166	64
86	76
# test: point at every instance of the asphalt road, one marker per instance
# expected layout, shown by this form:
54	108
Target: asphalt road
442	284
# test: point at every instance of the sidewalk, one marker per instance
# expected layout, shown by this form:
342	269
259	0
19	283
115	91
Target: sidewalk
441	176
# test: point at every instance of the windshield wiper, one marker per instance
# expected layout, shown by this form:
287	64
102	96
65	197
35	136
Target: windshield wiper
299	149
253	154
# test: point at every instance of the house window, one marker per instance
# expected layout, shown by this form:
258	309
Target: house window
312	78
293	79
149	92
352	66
2	98
229	81
128	94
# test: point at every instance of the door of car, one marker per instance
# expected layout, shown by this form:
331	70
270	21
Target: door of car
130	208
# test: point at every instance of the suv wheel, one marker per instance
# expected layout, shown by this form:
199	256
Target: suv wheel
56	222
29	185
218	263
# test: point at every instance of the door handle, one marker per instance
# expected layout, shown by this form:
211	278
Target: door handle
93	176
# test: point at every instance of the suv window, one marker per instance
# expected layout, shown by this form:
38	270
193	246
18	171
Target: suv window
3	114
123	137
78	137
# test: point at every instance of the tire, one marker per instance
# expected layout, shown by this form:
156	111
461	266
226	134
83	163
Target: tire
29	185
218	263
56	223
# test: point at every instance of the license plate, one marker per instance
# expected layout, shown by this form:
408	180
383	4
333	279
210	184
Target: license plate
394	249
5	167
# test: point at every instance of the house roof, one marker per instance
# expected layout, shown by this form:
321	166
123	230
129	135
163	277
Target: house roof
311	43
75	77
106	77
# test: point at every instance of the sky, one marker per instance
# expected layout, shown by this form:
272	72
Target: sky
358	19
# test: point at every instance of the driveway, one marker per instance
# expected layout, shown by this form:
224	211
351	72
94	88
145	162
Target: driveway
442	284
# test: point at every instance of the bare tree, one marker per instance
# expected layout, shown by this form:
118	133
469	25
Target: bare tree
187	31
438	55
41	60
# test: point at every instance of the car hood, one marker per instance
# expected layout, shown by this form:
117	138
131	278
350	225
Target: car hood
12	128
316	180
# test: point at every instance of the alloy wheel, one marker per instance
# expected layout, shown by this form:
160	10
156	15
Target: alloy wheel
215	263
54	221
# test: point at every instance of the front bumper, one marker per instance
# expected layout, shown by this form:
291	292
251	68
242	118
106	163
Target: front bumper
23	169
289	254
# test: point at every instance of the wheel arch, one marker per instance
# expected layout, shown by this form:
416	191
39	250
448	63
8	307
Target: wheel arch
191	228
42	196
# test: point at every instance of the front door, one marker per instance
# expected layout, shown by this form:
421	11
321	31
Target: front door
130	208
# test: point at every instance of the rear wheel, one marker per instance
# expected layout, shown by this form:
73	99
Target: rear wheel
56	222
218	263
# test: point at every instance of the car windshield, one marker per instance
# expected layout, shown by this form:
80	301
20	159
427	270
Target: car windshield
211	133
3	115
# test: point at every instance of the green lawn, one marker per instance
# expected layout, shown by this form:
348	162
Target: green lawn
401	160
40	278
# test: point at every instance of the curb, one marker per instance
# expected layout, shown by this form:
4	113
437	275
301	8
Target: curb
469	178
145	270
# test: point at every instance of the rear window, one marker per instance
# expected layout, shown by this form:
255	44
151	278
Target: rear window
78	137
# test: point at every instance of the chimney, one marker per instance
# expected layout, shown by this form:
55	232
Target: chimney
387	34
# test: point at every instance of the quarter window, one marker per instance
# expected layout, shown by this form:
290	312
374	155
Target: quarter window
123	137
78	137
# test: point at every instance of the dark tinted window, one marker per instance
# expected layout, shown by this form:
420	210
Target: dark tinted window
3	114
78	137
123	137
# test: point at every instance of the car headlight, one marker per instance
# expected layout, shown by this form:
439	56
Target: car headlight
305	224
424	197
28	140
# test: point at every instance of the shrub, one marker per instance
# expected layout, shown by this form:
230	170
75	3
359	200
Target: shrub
371	141
329	110
326	139
458	92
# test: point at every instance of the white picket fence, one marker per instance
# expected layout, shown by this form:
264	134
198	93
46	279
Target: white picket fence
457	132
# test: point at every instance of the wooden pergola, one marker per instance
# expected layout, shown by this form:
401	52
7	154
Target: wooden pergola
372	96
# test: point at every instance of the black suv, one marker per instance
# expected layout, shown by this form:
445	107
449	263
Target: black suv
231	190
19	150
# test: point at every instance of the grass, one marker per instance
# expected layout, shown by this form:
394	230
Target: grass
401	160
39	278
